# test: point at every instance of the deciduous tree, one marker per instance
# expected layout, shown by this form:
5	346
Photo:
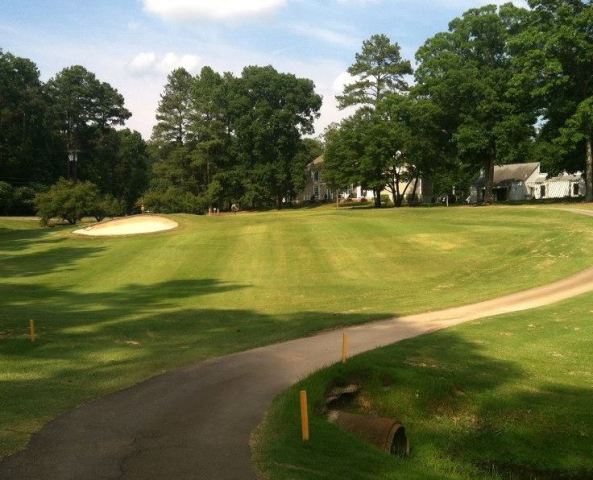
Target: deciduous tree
468	73
554	56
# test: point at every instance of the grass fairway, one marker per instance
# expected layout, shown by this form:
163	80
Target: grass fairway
502	398
111	312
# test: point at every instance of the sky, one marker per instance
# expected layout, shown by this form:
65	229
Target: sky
134	44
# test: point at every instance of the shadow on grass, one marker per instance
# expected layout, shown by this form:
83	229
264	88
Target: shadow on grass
93	343
50	253
468	415
85	357
64	313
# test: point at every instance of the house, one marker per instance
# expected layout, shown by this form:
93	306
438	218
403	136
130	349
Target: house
524	181
565	185
418	191
316	189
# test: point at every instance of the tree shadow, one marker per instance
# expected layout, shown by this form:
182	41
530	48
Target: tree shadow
43	262
32	252
468	416
91	344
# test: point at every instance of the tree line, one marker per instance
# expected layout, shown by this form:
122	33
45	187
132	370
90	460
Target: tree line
222	139
72	113
502	85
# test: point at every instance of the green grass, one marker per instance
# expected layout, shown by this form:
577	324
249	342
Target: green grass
112	312
503	398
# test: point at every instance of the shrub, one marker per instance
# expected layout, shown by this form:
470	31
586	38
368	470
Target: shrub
107	206
173	200
67	200
6	194
23	201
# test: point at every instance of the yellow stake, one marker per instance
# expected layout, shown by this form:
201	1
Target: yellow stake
32	330
344	347
304	416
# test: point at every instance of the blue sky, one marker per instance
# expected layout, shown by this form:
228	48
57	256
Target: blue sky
132	44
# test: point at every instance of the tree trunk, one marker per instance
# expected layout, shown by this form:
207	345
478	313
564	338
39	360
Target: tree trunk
589	173
489	173
402	196
415	188
377	194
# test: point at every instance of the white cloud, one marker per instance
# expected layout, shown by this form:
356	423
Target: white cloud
182	10
464	4
148	63
172	61
142	63
341	81
326	35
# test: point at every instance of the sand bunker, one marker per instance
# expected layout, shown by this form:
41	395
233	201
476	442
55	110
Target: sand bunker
129	226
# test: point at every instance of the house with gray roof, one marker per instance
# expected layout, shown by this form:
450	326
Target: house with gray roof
524	181
566	185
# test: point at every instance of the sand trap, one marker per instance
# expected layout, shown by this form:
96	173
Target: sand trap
129	226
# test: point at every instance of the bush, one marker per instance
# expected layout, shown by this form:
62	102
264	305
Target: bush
18	200
173	200
23	201
107	206
67	200
6	194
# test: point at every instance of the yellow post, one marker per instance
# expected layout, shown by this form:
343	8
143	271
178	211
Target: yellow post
304	416
32	330
344	347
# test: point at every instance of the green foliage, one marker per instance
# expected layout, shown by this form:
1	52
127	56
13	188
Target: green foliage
107	206
18	200
468	73
378	69
232	140
554	62
67	200
173	200
6	193
130	168
475	402
362	148
39	122
175	108
29	151
80	101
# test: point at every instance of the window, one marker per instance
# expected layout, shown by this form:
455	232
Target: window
316	192
542	191
575	189
316	175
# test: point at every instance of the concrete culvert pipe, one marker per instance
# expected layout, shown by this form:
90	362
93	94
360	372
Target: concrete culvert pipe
385	433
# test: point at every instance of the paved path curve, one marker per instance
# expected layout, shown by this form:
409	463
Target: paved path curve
195	422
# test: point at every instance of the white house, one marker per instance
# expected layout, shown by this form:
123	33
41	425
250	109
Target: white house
565	185
524	181
316	189
421	194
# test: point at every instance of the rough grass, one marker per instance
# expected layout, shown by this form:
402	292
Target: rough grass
111	312
502	398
